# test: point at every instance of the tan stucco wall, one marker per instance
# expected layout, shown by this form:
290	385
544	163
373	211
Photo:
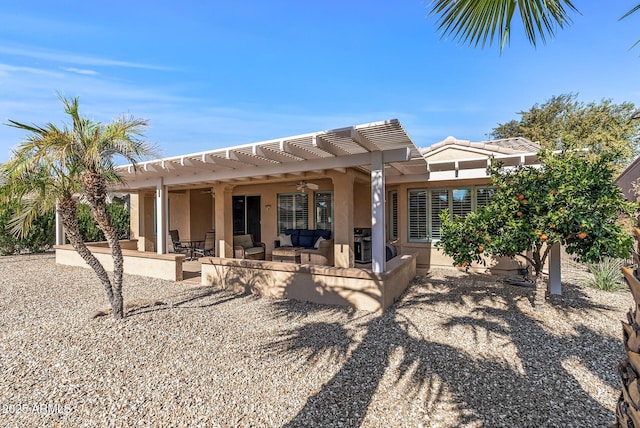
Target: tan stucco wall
361	205
180	213
201	206
352	287
162	266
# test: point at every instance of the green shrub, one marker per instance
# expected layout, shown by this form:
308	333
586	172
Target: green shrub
89	229
42	234
7	242
607	275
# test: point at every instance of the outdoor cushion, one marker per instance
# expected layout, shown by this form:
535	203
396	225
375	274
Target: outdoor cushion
318	241
295	236
285	240
306	238
322	256
253	250
244	241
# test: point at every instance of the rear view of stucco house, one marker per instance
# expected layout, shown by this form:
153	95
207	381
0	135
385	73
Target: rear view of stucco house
367	189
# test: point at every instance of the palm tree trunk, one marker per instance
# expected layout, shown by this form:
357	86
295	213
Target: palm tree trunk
96	193
627	413
68	210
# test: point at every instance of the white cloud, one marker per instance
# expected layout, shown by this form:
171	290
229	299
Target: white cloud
81	71
65	57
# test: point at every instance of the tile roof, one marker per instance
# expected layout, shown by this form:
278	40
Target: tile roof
503	146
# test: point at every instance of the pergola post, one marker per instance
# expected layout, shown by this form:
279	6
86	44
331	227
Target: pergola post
378	248
224	220
161	216
59	228
343	218
555	277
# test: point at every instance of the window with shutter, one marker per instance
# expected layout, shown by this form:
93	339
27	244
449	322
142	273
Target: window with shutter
293	211
417	215
484	195
393	215
461	201
439	202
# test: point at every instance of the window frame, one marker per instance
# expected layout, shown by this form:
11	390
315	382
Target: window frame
296	222
393	230
315	209
429	208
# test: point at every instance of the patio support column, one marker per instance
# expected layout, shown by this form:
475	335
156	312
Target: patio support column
136	223
343	215
555	278
59	228
378	249
224	220
161	216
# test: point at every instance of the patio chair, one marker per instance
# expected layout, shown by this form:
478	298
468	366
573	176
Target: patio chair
244	247
208	249
178	247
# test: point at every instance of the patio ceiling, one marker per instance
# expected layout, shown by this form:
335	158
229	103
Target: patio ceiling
349	147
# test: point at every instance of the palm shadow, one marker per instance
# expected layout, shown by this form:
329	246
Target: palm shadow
485	389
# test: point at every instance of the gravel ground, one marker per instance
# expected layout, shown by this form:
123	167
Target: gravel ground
457	350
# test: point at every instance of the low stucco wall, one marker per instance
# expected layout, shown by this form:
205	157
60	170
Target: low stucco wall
125	244
351	287
429	257
162	266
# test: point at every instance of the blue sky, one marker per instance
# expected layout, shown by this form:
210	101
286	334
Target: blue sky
222	73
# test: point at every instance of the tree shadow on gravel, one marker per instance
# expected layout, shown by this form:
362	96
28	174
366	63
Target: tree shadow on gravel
196	297
541	388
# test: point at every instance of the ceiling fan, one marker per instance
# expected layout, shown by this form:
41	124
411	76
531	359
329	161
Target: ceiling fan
303	186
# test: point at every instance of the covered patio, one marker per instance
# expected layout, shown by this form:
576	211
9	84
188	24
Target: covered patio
351	167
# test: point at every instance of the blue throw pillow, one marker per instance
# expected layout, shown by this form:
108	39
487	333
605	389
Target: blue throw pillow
306	238
295	236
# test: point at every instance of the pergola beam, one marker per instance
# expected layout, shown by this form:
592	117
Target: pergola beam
327	146
394	155
363	141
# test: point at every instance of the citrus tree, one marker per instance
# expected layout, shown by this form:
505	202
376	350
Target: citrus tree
570	198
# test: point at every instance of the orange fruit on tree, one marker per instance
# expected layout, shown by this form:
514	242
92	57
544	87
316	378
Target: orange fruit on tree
525	201
480	248
553	192
519	213
521	196
582	235
543	237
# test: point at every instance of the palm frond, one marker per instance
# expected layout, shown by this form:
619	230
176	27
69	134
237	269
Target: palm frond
634	10
478	22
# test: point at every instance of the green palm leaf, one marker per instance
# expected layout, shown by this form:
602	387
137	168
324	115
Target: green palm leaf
478	22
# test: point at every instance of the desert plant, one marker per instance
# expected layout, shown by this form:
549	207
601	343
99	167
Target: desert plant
607	274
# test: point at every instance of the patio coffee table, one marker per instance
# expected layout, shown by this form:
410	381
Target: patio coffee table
286	254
